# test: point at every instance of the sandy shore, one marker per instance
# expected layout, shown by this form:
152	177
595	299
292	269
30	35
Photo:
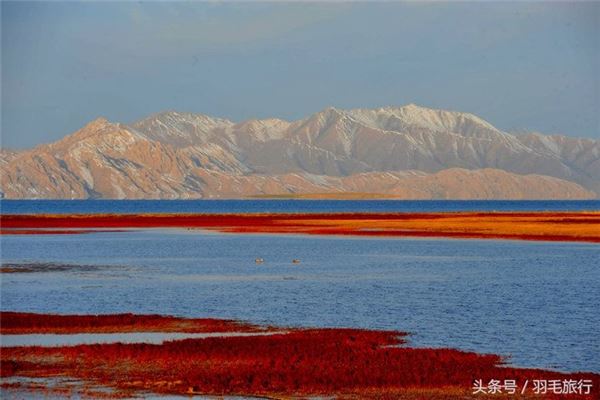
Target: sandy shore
552	226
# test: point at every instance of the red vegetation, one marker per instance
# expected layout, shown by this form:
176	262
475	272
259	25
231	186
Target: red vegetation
27	323
52	231
557	226
171	220
341	362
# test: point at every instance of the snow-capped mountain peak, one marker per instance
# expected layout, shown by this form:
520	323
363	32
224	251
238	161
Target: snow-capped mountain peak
179	129
174	154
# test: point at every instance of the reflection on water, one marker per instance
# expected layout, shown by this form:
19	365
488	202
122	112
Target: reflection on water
534	301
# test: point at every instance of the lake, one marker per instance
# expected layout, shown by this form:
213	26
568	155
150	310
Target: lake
285	206
536	302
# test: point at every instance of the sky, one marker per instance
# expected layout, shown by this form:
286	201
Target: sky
520	66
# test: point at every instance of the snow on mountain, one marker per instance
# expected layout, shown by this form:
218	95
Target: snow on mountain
180	129
403	151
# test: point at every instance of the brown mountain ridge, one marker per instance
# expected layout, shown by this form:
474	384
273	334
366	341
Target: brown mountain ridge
407	152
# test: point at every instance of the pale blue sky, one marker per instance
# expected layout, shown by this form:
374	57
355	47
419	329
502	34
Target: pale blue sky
533	66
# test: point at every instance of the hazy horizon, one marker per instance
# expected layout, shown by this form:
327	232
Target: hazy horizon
519	66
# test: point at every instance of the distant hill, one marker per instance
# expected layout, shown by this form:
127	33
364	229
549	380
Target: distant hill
405	152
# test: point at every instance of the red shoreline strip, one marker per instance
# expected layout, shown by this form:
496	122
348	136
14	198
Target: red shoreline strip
29	323
336	361
457	225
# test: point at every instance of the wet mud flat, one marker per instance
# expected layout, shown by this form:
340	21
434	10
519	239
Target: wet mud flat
41	267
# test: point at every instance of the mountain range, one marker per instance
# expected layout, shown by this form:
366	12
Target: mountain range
407	152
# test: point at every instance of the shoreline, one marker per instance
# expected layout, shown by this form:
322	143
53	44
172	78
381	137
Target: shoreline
341	362
581	226
22	323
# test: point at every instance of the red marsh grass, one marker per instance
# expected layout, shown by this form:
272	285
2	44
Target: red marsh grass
340	362
31	323
551	226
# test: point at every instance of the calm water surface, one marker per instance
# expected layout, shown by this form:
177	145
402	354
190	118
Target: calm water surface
536	302
286	206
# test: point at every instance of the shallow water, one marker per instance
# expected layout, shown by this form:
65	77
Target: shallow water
53	340
535	301
55	387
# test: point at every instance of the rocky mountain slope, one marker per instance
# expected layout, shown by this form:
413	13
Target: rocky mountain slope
405	152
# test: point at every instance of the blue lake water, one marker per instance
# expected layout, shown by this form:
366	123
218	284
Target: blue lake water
537	302
286	206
